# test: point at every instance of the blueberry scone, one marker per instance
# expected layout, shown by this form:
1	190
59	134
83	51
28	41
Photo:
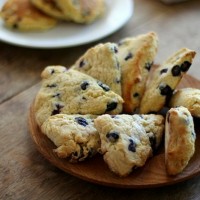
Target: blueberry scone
82	11
49	7
124	143
189	98
179	139
72	92
136	56
22	15
101	62
154	126
165	79
75	136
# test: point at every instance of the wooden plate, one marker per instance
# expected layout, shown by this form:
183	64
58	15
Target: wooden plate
153	174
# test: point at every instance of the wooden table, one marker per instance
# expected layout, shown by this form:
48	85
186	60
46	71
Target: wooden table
24	173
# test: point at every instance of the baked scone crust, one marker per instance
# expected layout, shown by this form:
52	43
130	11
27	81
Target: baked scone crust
124	143
165	79
187	97
82	11
71	92
75	136
50	7
136	56
180	139
101	62
22	15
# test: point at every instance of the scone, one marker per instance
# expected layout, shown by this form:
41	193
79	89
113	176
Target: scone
179	139
136	56
189	98
154	126
71	92
101	62
75	136
22	15
165	79
49	7
124	143
82	11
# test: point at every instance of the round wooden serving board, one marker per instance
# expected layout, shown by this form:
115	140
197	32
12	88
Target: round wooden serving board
153	174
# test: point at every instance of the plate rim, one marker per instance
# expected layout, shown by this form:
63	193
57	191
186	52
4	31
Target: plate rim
27	43
173	181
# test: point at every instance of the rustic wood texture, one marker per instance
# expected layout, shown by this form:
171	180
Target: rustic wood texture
24	172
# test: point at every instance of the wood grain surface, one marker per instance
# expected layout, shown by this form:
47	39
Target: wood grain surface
153	174
24	172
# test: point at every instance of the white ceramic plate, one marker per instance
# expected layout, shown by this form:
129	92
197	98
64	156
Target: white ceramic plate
70	34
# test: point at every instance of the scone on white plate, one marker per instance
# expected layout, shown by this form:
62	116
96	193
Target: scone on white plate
180	139
75	136
124	143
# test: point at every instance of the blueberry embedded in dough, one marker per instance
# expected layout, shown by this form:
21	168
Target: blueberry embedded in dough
84	85
176	70
103	86
163	71
57	108
185	66
148	66
82	121
129	56
111	106
165	89
112	136
132	145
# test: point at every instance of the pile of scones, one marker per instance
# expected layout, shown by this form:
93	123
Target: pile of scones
31	15
110	102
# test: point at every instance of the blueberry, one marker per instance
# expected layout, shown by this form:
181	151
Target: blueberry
165	90
57	110
115	49
185	66
84	85
81	121
132	146
176	70
82	63
103	86
111	106
56	95
148	66
52	71
112	136
129	56
52	85
136	94
163	71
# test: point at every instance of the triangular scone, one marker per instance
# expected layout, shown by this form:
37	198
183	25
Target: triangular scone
189	98
124	143
72	92
101	62
136	56
180	139
49	7
165	79
75	136
22	15
154	126
82	11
